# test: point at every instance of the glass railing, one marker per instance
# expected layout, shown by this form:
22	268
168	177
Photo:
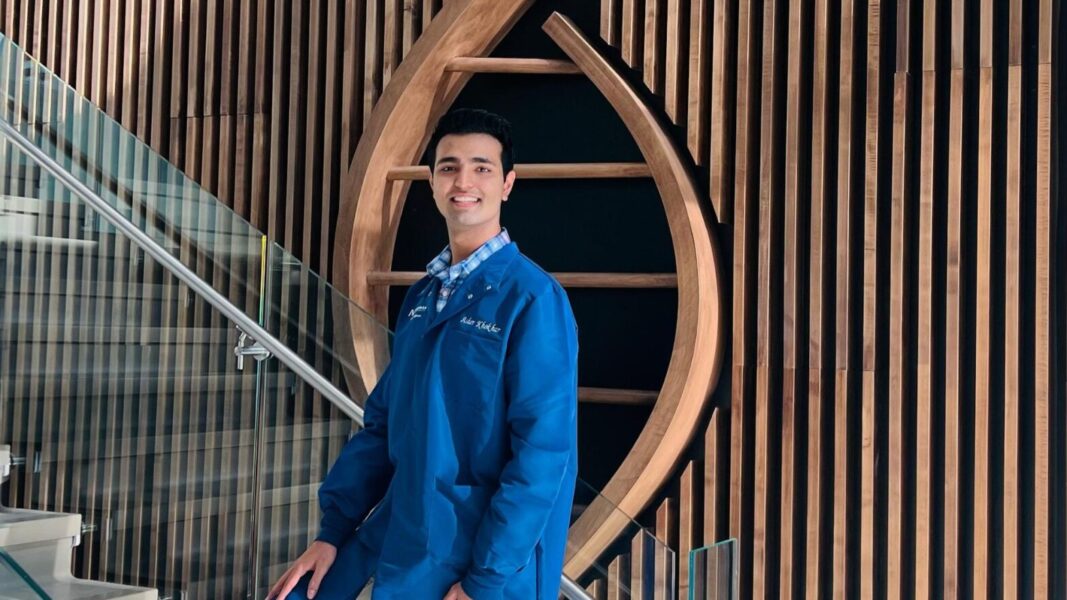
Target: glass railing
121	387
221	247
714	572
16	583
638	564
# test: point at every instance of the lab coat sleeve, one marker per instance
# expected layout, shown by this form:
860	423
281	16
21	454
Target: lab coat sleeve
541	385
357	481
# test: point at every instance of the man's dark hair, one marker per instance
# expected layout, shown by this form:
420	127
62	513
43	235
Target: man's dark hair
474	120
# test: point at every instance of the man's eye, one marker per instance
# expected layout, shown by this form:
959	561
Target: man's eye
483	169
445	169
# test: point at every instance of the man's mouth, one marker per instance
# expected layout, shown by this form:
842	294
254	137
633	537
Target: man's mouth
464	200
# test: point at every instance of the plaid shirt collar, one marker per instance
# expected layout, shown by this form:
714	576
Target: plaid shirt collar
451	276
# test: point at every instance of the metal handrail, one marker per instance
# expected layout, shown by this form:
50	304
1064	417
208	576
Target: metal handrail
202	288
570	589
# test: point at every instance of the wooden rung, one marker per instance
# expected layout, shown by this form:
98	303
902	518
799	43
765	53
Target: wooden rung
569	280
616	396
543	171
524	66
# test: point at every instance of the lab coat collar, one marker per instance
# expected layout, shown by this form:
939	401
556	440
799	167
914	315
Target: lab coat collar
483	280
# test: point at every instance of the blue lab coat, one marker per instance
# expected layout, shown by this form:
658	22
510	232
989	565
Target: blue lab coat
469	453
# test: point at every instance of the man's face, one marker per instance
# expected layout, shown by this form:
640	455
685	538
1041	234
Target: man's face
469	182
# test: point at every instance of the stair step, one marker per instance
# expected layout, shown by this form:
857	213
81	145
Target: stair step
80	589
48	565
19	526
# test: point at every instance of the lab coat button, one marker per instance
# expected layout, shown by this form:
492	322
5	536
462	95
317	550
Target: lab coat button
470	296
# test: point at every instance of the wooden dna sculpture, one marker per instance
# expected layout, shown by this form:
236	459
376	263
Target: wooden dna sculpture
425	85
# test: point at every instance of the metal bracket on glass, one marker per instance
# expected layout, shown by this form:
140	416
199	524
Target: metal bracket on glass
246	346
13	461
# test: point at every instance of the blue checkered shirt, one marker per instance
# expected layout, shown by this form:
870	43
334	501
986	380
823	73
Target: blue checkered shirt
452	276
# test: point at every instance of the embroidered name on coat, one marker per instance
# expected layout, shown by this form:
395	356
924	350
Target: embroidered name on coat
480	325
416	312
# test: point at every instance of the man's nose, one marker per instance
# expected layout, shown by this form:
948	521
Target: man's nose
463	179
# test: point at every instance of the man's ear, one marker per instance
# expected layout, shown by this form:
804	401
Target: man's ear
509	182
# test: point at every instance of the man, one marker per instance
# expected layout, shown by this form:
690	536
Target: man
469	452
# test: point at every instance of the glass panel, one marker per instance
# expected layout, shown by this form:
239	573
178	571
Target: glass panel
205	234
636	563
302	436
120	387
714	572
15	583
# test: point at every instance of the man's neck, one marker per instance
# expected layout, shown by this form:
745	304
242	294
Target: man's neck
464	243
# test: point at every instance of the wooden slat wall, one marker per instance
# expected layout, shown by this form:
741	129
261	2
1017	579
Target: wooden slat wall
903	243
262	103
211	85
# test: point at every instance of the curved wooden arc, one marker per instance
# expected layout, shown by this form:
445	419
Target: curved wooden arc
396	135
699	346
417	94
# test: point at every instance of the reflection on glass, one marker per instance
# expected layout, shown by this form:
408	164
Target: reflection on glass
15	583
714	572
636	563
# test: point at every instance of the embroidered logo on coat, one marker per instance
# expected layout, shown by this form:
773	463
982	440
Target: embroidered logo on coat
416	312
480	325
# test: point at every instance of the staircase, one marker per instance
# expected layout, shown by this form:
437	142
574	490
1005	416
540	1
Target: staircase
41	544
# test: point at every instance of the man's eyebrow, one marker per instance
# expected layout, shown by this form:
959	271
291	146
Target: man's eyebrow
476	159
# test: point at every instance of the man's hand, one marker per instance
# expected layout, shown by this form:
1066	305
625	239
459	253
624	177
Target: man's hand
456	593
317	558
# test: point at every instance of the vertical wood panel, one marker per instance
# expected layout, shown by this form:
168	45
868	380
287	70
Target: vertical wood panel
676	69
653	70
632	33
609	16
871	428
1012	342
820	277
700	22
954	256
983	342
745	265
846	192
1043	389
794	317
690	510
726	64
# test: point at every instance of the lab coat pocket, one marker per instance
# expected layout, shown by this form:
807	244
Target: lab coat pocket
471	366
456	513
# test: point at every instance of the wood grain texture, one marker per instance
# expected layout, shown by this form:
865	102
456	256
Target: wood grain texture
842	572
1043	382
525	66
820	277
698	93
871	429
676	62
690	512
654	63
953	307
1013	305
983	338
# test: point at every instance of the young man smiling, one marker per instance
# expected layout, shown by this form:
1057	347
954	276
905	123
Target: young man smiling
468	455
